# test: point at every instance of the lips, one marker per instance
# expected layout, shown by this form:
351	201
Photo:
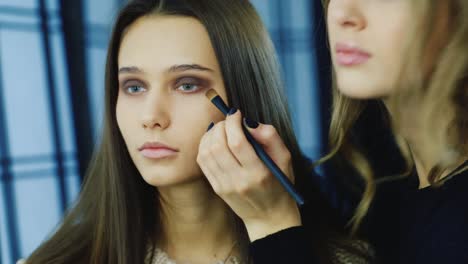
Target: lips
350	55
157	150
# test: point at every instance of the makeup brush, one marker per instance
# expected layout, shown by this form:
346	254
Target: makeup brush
283	179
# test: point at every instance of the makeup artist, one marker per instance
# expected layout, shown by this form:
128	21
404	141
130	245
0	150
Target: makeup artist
407	61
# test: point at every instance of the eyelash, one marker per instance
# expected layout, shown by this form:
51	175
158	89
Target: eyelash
192	81
127	89
184	81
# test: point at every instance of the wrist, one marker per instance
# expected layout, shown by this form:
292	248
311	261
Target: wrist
260	228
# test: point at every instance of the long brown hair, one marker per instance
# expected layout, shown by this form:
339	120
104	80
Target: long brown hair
116	216
432	99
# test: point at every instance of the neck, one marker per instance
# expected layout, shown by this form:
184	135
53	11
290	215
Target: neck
197	224
422	164
423	170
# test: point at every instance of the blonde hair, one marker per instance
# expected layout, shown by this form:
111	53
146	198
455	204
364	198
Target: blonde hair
436	91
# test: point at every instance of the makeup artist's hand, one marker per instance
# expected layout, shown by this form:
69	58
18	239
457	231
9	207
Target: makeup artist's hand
241	179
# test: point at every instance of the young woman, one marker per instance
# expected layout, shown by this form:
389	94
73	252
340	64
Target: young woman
407	62
145	198
410	62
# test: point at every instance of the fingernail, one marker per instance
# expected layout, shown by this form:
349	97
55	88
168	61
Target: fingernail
210	126
250	123
232	111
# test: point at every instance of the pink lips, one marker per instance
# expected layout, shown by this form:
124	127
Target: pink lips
350	55
157	150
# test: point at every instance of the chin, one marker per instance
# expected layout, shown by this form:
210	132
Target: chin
167	179
360	90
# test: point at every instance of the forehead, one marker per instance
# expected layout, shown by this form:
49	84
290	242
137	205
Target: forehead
158	41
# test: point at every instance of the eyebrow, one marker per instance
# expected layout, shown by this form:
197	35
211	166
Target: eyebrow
130	70
174	68
187	67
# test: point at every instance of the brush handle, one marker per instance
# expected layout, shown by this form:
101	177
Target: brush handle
283	179
219	103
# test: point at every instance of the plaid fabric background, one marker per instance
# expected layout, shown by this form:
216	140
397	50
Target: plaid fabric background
46	61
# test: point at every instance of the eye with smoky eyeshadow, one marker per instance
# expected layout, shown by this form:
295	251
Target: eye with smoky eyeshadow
191	84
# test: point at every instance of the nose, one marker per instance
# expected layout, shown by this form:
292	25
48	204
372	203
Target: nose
347	14
156	114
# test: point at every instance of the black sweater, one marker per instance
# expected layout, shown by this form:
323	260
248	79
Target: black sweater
404	225
411	225
286	246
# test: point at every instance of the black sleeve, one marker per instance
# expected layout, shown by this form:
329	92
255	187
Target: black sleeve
286	246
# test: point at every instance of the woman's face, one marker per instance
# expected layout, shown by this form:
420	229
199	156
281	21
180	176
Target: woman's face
166	64
367	40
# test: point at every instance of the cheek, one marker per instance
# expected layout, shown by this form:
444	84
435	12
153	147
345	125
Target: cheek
192	117
394	42
392	56
119	117
192	121
331	31
123	117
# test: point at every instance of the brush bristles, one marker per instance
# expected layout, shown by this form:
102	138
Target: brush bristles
211	93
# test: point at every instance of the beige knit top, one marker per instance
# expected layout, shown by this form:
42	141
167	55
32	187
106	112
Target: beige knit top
339	256
161	257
